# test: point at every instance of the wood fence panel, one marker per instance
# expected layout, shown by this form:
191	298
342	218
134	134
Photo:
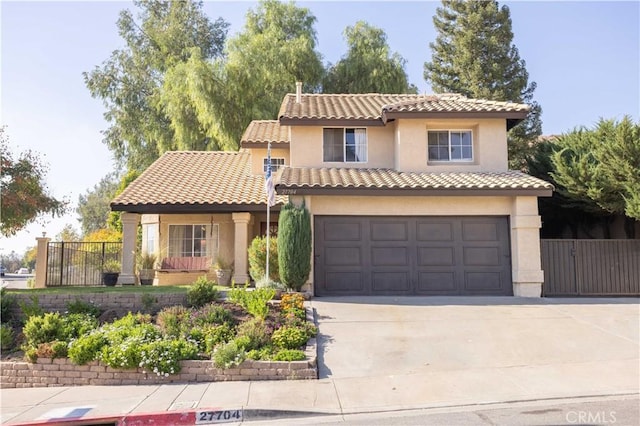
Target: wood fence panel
559	268
591	267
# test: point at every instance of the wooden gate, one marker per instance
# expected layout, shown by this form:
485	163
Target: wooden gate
591	267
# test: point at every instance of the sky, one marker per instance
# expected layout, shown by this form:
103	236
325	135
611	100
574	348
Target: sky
584	57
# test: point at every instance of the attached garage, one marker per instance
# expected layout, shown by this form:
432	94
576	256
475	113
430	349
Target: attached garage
412	255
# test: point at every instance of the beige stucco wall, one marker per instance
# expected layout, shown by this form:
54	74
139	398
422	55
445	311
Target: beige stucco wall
306	148
489	145
402	144
259	154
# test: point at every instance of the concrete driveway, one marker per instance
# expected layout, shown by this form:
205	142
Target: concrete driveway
430	349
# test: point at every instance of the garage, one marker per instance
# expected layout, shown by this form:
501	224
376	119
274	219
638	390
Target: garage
412	255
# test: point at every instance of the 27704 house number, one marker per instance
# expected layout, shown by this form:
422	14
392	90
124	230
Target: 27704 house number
212	417
288	191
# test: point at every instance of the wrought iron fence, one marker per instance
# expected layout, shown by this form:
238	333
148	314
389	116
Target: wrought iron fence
79	263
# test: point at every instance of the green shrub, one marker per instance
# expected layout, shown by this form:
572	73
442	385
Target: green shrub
124	354
212	314
217	335
163	357
31	354
258	258
42	329
173	320
262	354
201	292
257	333
7	302
81	307
6	337
289	337
256	302
294	246
228	355
289	355
86	348
76	325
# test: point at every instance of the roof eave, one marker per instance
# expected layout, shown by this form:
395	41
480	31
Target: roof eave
447	192
324	121
263	144
190	208
509	115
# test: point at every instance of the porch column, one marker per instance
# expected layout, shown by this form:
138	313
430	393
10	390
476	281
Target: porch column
242	222
41	261
526	265
129	232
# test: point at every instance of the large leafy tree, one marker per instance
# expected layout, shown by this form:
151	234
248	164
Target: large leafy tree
276	48
601	165
130	81
24	195
474	55
93	206
369	66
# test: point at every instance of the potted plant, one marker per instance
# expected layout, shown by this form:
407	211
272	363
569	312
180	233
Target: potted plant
146	268
110	272
223	270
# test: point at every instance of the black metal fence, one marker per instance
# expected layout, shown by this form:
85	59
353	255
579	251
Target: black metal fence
591	267
79	263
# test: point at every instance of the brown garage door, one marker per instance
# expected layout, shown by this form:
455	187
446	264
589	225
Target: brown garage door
400	255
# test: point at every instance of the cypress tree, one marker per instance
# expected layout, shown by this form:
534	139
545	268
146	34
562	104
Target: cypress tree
474	55
294	246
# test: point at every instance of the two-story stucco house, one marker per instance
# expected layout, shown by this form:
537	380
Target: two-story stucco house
409	195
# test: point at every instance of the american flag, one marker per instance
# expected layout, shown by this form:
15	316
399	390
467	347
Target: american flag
268	183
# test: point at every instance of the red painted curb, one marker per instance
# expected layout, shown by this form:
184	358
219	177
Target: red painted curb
174	418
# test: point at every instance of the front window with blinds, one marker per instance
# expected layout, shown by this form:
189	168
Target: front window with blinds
149	243
344	145
193	240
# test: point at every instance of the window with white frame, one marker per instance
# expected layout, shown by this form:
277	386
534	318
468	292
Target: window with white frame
450	145
276	163
149	233
193	240
344	145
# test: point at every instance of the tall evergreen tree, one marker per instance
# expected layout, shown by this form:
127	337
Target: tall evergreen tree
130	81
369	66
276	48
294	246
474	55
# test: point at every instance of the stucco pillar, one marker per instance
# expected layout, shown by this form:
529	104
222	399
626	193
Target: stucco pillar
129	232
242	221
42	252
526	266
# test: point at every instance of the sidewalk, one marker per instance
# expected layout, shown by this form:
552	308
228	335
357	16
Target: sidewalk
568	349
326	396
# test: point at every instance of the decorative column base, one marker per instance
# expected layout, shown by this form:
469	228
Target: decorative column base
527	289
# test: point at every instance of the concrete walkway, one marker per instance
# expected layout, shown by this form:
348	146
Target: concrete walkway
383	354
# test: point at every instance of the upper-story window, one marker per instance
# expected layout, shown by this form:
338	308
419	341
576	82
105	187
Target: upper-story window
450	145
276	163
344	145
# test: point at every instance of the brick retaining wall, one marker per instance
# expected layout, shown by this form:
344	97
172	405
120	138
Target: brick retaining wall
120	302
62	372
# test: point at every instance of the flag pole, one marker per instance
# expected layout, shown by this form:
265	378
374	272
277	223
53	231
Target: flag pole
268	209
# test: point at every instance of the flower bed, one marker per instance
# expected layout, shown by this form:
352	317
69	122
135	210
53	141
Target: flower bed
246	338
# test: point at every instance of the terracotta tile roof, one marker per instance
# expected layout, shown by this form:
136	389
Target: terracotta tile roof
195	178
263	131
386	179
374	106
